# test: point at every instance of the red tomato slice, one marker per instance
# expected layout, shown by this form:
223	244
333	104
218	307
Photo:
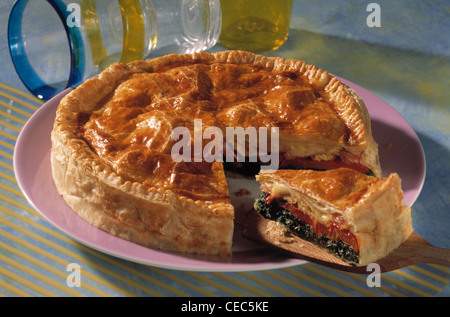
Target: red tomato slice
333	232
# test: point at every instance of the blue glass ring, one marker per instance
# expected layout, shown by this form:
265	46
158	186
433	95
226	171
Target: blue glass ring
23	67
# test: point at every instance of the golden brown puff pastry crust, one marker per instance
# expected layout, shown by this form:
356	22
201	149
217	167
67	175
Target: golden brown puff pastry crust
370	208
111	144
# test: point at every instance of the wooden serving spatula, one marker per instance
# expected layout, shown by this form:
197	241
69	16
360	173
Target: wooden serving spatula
414	250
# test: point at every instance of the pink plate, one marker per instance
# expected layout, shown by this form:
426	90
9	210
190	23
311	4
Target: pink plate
400	151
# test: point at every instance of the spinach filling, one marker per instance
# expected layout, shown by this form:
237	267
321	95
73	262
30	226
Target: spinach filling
305	231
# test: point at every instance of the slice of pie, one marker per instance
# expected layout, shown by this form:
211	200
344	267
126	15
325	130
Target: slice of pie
112	142
357	217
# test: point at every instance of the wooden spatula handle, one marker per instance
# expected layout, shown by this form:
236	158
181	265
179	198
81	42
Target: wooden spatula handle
426	252
437	256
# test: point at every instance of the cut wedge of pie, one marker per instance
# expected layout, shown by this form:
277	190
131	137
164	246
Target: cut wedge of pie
357	217
112	141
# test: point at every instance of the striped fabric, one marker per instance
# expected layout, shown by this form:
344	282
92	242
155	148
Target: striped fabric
34	255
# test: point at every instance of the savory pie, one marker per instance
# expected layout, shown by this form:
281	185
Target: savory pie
357	217
112	145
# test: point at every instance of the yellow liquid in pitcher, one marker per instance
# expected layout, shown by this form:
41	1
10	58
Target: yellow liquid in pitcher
134	30
133	38
255	25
